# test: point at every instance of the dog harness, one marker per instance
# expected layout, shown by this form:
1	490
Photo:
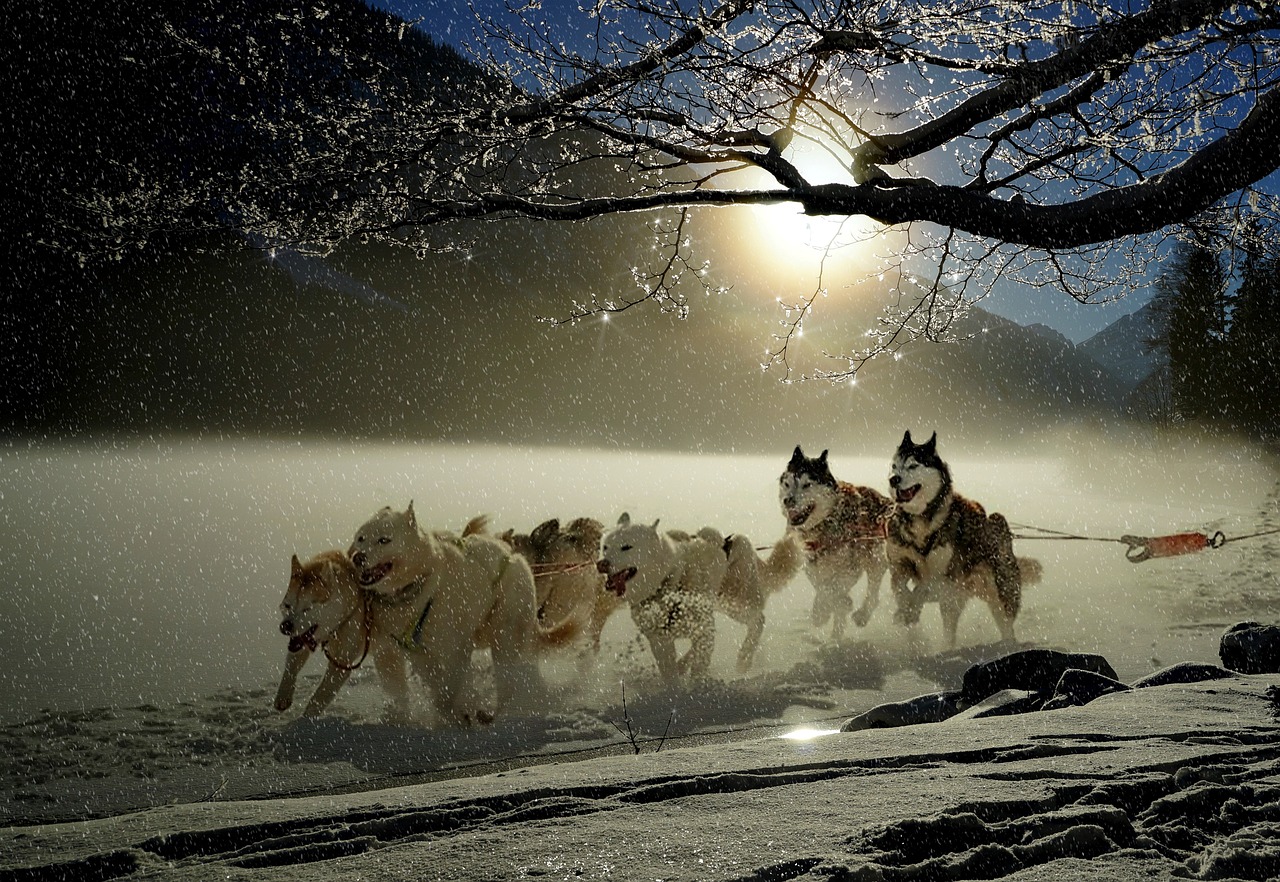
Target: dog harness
412	639
367	628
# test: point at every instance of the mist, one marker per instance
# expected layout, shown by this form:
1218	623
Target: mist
148	572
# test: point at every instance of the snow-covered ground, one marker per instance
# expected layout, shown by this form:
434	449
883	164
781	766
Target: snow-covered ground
142	652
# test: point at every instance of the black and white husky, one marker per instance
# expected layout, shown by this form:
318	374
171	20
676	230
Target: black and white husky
944	547
841	527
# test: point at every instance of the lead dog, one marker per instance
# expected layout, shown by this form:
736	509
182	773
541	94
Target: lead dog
563	560
458	593
944	547
841	527
325	608
675	582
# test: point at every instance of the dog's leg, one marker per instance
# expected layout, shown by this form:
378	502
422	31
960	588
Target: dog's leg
841	605
389	660
951	601
293	663
448	675
516	677
664	653
909	601
606	604
1008	579
701	627
820	612
751	643
332	681
875	564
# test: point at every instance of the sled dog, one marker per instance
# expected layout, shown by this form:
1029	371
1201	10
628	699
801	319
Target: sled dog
325	608
455	594
569	586
944	547
676	581
841	528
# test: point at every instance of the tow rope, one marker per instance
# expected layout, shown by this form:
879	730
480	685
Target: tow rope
1142	548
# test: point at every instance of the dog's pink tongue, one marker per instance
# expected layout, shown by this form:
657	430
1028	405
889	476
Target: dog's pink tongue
617	583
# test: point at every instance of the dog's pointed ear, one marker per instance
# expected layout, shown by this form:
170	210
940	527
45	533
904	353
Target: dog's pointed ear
413	518
295	567
624	520
823	458
932	443
543	533
906	439
797	457
655	525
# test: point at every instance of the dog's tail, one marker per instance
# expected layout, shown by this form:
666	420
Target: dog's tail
477	525
559	635
781	566
1031	571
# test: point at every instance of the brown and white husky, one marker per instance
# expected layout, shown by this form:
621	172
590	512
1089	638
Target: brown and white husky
944	547
841	528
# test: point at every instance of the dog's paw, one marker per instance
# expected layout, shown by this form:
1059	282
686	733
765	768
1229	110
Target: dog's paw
861	617
396	714
283	704
906	615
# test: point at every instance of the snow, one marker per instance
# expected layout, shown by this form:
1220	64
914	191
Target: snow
140	634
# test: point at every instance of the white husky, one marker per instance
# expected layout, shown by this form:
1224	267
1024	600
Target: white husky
675	582
465	592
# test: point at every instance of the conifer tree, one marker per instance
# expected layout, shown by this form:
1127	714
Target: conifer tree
1192	298
1253	343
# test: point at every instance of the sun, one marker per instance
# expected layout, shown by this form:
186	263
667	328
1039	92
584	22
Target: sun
783	242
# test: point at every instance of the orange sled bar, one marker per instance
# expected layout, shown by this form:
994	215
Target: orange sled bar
1146	547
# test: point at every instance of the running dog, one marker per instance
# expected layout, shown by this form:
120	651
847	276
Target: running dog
676	581
841	527
944	547
457	593
325	608
564	569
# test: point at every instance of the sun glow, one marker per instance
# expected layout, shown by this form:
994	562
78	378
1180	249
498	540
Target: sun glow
781	240
806	734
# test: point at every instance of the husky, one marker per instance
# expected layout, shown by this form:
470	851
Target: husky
944	547
457	593
325	608
563	561
676	581
841	527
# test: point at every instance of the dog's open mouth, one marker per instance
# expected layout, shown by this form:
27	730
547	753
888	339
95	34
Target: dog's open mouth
617	582
306	639
377	574
797	516
906	494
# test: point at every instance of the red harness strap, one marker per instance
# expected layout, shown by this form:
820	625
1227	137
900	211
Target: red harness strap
1146	547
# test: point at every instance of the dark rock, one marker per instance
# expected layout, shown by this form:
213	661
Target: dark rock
1251	648
1031	670
932	708
1077	687
1182	672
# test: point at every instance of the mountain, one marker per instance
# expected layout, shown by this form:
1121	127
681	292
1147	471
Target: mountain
190	100
1123	347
